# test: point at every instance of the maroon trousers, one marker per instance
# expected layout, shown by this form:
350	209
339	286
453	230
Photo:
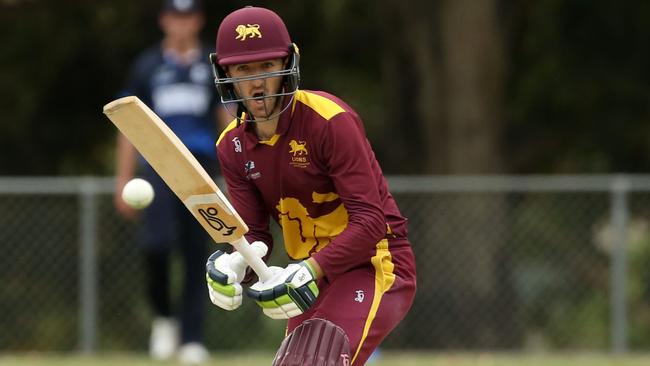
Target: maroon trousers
368	302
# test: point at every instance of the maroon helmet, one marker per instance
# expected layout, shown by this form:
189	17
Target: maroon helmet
253	34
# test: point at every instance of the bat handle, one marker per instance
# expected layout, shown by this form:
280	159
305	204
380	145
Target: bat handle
256	263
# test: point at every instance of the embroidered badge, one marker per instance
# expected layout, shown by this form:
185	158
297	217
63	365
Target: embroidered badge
248	169
299	154
248	30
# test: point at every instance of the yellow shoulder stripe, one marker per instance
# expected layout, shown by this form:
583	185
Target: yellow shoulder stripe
230	126
326	108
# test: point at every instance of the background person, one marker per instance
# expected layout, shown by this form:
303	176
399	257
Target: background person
174	78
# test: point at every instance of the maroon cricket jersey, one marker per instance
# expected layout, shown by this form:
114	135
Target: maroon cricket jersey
319	179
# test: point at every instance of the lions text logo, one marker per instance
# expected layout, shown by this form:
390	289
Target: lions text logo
298	151
248	30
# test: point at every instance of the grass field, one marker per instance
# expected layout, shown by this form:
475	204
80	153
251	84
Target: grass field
387	359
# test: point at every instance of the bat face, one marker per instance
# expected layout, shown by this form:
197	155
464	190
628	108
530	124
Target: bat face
177	167
184	175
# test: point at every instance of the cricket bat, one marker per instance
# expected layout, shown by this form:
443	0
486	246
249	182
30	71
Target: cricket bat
180	170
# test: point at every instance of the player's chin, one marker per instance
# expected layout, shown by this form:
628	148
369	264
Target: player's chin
261	116
260	109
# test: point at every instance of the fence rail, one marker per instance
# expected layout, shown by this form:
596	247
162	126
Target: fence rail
524	232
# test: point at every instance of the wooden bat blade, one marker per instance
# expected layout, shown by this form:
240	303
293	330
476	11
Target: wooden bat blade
184	175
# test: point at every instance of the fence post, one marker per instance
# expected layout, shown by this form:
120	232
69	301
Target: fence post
618	274
87	265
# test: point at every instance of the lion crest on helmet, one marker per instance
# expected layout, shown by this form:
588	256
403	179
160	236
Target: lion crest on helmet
248	31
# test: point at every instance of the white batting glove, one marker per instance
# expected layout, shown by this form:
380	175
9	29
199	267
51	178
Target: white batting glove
289	292
224	273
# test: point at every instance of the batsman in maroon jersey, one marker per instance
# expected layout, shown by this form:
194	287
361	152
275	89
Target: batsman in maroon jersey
302	158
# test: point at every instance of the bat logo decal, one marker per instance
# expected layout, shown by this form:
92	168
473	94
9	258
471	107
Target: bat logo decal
210	216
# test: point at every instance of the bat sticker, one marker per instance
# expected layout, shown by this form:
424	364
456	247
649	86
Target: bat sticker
210	216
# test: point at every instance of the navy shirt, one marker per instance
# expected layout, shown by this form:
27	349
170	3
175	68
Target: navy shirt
182	95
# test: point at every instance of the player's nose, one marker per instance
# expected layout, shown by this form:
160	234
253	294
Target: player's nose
258	83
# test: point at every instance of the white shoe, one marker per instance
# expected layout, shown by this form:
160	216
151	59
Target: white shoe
193	354
164	339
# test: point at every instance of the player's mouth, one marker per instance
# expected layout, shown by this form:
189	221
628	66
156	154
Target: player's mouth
258	105
258	99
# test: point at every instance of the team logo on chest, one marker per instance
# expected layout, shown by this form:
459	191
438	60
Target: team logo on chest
299	155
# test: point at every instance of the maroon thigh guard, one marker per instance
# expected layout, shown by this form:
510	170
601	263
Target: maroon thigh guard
315	342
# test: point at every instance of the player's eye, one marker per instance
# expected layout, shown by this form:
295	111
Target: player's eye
268	65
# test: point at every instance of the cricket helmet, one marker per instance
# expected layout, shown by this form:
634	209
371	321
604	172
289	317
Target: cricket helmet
254	34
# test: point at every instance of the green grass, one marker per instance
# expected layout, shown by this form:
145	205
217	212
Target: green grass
387	359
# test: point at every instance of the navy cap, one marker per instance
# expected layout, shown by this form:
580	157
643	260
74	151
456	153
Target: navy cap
183	6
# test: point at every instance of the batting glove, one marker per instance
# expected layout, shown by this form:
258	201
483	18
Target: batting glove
225	273
289	292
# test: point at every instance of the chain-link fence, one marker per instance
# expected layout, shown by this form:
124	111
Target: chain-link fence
503	263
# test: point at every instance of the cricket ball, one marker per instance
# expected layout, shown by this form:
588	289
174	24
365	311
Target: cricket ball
138	193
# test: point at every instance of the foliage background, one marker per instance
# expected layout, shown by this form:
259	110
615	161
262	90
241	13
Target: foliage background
572	96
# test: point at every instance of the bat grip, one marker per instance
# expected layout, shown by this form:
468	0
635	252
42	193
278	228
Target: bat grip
256	263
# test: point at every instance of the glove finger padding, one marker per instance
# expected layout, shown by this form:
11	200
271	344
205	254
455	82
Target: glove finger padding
222	288
224	273
289	292
228	297
218	268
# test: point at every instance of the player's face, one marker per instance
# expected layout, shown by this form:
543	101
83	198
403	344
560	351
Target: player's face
265	107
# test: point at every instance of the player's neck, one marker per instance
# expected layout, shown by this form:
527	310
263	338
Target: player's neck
266	130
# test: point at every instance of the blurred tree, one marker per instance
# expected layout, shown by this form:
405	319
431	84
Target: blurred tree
579	90
447	60
427	76
61	61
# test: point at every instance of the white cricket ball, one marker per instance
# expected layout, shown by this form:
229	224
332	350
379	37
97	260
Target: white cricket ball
138	193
